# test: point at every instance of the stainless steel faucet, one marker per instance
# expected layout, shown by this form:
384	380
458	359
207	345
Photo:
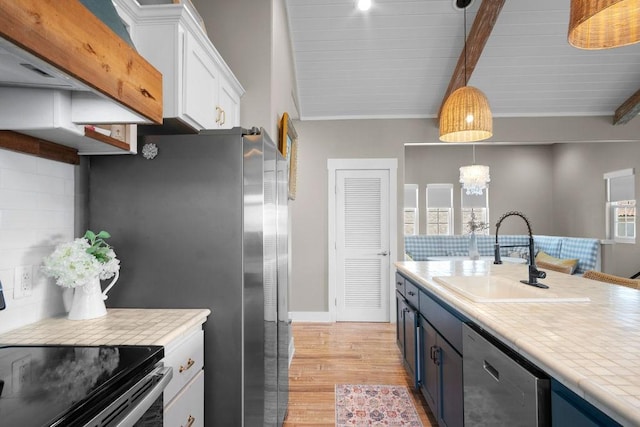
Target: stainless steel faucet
534	273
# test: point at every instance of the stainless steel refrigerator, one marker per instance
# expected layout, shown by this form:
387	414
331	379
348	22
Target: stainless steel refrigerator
203	224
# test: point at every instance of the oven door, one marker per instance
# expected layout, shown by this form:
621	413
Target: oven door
138	405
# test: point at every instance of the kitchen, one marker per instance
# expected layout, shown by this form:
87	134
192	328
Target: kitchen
321	140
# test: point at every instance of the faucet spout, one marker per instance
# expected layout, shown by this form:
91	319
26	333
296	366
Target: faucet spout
534	273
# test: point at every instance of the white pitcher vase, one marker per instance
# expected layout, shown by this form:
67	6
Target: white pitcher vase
88	300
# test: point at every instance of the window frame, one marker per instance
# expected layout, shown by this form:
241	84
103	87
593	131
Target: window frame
484	217
615	200
439	209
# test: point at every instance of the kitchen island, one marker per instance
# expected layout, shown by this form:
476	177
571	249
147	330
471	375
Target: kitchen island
583	333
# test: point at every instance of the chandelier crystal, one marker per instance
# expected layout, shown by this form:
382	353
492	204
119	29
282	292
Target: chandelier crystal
474	178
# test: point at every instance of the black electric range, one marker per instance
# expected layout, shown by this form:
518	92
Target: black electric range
67	385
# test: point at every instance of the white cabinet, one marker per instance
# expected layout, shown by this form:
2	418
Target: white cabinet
183	398
199	89
187	409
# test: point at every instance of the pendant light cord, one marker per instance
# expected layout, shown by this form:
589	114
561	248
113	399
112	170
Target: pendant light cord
473	146
465	44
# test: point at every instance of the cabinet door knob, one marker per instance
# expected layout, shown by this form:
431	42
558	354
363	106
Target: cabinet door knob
190	421
190	363
411	293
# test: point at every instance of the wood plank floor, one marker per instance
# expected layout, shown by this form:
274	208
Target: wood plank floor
327	354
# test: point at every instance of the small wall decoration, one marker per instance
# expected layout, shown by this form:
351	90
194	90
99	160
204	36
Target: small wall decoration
289	149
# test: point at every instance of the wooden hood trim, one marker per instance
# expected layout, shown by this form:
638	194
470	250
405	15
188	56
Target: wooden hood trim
67	35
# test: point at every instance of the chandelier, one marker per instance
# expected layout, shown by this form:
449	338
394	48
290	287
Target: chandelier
466	115
474	178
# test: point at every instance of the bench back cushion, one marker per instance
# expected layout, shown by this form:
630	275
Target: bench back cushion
420	247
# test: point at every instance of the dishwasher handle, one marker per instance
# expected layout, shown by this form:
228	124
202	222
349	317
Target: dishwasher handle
491	370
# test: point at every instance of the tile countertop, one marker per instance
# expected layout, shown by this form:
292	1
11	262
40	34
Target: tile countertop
593	348
121	326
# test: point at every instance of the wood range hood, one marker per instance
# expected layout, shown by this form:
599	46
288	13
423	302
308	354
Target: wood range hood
61	47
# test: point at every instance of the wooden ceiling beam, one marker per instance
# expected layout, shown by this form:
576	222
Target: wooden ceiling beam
480	31
628	110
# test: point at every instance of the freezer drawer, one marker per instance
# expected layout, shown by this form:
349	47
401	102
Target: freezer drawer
501	388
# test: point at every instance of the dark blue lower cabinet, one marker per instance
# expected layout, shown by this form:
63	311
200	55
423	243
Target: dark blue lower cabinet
406	331
441	377
569	409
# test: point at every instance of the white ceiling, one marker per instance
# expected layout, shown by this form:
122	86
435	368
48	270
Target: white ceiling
397	60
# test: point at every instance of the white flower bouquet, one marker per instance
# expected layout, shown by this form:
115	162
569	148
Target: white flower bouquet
75	263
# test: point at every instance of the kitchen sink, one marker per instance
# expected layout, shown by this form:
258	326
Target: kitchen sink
492	288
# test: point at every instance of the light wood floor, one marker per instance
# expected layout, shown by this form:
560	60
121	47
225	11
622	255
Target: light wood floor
342	353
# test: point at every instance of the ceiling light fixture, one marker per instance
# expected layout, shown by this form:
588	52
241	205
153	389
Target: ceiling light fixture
603	24
466	115
474	178
364	5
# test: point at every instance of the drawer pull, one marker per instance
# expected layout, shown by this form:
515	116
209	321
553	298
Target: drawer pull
411	293
190	421
190	363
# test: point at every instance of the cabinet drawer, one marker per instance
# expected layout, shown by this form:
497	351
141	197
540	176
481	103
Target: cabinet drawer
187	409
412	294
447	324
400	283
186	360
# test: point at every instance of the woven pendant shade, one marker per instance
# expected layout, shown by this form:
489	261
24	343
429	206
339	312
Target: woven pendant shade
603	24
466	116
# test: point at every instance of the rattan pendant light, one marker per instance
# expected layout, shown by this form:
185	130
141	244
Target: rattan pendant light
603	24
466	115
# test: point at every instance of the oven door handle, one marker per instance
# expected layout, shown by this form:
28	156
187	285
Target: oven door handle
135	413
159	379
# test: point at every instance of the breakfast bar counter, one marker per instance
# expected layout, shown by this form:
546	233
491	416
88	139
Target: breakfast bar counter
583	333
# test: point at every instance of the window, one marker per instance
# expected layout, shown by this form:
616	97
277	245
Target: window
621	206
479	205
411	209
439	209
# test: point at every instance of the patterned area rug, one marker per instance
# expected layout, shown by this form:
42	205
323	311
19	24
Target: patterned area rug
374	405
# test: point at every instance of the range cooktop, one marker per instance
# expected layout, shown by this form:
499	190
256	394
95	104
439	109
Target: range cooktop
64	385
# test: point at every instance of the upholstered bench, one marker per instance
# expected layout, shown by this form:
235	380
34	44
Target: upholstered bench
586	250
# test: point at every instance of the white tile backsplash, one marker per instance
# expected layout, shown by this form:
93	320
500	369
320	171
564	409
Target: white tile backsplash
36	213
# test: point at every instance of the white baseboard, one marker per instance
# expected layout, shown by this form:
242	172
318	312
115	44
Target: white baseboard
310	316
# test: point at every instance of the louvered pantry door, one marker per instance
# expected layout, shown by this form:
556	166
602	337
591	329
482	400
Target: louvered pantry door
362	245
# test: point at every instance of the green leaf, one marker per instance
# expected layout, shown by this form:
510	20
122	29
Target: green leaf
103	235
90	235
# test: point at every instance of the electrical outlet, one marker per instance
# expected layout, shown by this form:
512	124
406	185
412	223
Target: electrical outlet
21	373
23	281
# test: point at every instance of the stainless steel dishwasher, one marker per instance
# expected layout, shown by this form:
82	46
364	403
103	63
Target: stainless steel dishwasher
500	387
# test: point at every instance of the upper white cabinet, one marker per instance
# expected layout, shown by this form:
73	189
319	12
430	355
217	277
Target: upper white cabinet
199	89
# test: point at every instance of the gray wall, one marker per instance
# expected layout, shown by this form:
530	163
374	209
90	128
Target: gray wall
579	195
521	179
554	172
